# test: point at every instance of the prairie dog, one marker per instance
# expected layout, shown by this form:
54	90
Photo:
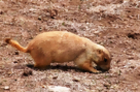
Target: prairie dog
63	46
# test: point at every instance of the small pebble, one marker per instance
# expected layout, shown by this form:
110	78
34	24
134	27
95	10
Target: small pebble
6	87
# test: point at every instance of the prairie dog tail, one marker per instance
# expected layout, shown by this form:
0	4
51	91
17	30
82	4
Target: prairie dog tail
16	45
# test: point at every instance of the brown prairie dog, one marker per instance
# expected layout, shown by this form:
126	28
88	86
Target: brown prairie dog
63	46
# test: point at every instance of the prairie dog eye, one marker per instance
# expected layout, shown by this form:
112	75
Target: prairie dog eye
105	60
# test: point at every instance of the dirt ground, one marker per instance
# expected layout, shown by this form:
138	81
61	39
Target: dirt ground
114	24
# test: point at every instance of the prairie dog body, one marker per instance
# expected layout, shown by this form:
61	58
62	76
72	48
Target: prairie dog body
62	46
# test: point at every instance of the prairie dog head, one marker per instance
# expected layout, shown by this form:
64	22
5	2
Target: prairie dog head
102	58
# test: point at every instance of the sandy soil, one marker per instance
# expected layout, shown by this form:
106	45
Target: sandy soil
114	24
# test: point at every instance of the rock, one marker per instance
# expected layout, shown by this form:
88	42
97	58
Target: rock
76	79
1	11
16	53
107	85
27	72
39	17
53	13
6	87
43	86
15	61
58	89
115	86
55	77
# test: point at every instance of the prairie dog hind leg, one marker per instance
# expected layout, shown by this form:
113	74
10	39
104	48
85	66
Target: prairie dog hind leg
41	60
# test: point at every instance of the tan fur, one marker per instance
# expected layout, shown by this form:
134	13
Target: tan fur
62	46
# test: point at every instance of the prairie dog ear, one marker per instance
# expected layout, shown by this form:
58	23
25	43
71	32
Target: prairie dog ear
99	51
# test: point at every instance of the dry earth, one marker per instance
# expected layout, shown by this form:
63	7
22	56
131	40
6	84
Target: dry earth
114	24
